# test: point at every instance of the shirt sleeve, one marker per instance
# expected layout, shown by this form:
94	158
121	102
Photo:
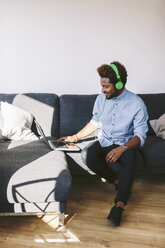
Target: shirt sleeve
95	118
140	123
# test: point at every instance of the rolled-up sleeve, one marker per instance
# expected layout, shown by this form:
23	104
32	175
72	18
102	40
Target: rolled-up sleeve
140	123
95	114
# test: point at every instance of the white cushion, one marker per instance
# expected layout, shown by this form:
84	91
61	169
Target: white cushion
17	123
158	126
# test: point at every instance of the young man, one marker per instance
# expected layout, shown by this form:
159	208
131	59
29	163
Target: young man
122	118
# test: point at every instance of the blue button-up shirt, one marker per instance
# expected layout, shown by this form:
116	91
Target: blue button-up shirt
120	118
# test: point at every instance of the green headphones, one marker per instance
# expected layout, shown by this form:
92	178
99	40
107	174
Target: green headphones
119	85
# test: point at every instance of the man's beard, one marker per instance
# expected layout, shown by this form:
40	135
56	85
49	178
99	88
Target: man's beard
115	94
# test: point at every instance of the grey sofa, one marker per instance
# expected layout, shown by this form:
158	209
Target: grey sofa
35	179
150	158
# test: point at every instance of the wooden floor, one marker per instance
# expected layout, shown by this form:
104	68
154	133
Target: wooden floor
142	226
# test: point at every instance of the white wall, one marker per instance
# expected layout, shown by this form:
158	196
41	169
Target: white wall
57	45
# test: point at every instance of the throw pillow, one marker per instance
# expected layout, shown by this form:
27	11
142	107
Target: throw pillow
17	123
158	126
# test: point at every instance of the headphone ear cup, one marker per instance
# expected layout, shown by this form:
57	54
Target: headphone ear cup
119	85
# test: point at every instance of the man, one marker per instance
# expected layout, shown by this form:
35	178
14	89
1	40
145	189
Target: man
122	118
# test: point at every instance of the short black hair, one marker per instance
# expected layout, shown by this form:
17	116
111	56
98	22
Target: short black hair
107	72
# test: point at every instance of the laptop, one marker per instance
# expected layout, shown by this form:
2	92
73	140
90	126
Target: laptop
53	145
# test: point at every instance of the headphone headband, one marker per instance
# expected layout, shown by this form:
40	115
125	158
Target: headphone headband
114	67
119	84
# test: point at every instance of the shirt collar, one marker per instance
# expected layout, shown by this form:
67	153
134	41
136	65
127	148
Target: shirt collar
121	95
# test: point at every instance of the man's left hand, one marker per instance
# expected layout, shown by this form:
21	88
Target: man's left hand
114	154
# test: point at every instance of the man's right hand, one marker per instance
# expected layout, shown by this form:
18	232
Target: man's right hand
72	138
87	130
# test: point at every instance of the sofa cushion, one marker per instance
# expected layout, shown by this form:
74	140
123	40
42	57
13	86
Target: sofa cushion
75	112
154	152
30	172
155	107
44	107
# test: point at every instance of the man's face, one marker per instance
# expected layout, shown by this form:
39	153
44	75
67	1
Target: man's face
108	88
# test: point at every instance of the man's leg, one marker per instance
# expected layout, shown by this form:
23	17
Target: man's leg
94	157
126	175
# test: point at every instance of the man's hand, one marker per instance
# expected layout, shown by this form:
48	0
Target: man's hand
87	130
115	154
71	139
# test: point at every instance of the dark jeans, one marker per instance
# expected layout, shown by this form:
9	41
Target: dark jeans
94	157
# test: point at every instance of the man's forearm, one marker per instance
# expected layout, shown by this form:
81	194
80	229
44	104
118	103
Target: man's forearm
87	130
135	141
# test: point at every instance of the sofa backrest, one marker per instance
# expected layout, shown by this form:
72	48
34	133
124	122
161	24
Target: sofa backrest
7	97
155	106
75	112
44	107
67	114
